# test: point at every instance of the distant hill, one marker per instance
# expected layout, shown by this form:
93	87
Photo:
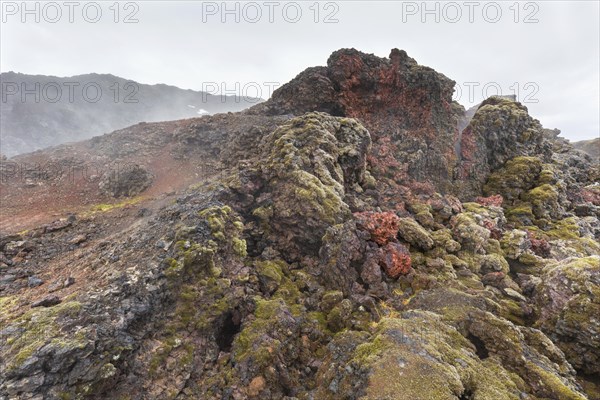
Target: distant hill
592	147
39	111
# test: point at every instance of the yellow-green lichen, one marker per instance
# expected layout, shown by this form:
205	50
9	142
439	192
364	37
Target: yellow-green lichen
517	176
113	206
239	247
40	327
247	343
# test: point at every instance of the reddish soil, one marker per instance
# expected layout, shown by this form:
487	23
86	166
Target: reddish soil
25	204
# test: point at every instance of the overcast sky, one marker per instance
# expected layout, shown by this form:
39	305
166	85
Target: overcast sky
547	52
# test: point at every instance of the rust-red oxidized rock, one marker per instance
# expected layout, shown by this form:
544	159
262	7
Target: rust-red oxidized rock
395	260
383	226
540	247
406	107
591	195
495	200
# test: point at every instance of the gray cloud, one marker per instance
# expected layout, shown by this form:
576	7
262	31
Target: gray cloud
555	61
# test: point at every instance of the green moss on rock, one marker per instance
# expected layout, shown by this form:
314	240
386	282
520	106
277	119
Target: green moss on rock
544	201
415	234
41	327
309	164
420	357
516	177
443	239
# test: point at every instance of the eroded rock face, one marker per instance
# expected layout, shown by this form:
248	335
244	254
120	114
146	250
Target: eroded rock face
383	227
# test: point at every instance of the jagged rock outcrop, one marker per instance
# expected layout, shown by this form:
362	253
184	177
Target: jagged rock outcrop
500	130
406	107
309	166
435	360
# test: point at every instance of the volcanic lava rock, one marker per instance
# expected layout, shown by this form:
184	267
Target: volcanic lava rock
128	181
320	251
500	130
569	305
406	107
309	165
383	227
